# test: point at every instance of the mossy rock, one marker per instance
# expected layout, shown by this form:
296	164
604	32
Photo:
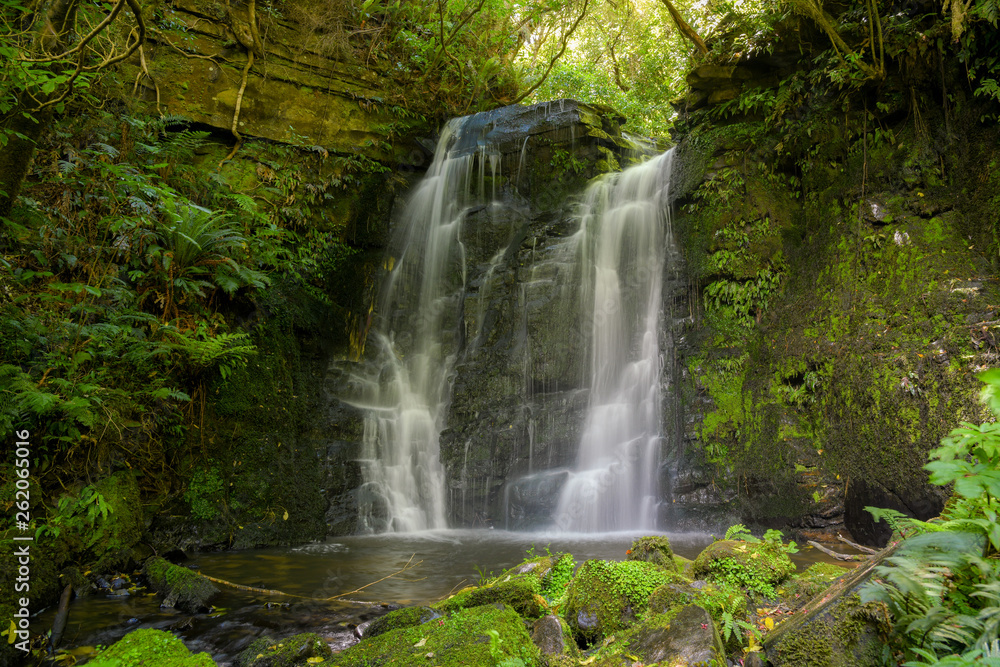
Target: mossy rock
653	549
536	567
461	638
690	638
684	566
125	524
303	649
150	648
179	586
400	618
522	593
845	634
754	566
670	596
607	596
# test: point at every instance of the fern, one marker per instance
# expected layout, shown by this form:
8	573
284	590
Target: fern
944	597
740	532
182	145
225	351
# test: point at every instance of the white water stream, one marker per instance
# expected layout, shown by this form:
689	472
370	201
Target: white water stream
625	232
406	404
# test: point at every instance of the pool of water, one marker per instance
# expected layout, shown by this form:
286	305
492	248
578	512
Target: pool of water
440	562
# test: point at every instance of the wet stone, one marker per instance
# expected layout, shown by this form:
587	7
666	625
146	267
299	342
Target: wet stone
547	634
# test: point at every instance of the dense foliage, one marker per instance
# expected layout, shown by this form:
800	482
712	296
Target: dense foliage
944	595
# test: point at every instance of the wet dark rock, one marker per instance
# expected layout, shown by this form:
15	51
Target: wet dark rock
912	502
548	635
691	638
288	652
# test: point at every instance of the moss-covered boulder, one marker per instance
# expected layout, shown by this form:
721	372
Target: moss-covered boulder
672	595
654	549
690	638
179	586
115	536
400	618
478	637
150	648
607	596
753	566
520	592
305	649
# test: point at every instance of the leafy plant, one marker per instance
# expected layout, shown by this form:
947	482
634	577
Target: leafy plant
944	591
498	656
556	580
737	627
80	518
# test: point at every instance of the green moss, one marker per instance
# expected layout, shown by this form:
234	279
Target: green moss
521	592
401	618
721	597
306	648
180	587
556	580
846	637
671	596
800	587
150	648
462	638
653	549
754	566
606	596
126	524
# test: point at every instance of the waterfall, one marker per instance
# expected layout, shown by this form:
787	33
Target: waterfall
418	338
624	234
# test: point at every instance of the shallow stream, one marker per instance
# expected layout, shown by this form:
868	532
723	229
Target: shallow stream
446	560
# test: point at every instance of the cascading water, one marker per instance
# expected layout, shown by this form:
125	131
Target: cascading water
406	401
624	235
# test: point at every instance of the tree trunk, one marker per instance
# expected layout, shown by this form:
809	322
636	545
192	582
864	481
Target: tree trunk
685	29
23	132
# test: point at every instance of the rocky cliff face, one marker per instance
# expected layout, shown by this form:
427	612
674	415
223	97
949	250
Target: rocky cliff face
297	91
844	305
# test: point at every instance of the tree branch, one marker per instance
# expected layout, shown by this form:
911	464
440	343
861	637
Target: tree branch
565	43
86	38
685	29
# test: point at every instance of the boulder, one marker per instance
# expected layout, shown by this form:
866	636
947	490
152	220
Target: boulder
401	618
606	597
522	593
691	638
671	595
548	634
756	566
484	635
653	549
179	586
304	649
146	647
